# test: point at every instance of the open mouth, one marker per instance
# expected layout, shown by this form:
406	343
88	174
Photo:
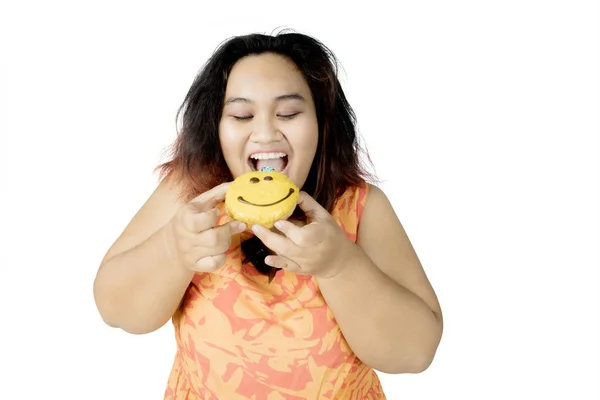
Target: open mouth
277	161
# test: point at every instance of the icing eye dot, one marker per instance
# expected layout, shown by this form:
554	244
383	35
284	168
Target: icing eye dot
254	180
268	178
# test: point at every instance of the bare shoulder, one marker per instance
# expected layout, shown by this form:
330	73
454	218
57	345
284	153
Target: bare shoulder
382	236
154	213
379	222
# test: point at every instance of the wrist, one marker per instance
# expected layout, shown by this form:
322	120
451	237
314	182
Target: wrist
347	253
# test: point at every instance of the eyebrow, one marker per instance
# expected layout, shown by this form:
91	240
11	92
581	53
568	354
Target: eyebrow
283	97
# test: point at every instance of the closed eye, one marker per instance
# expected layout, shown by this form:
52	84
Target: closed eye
288	116
281	116
242	118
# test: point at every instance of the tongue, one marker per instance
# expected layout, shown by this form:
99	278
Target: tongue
275	163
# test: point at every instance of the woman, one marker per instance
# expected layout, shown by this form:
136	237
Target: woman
304	311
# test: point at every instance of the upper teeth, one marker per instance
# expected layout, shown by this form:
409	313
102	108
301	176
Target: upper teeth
266	156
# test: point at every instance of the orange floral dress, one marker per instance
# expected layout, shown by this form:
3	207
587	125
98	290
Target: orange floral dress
240	337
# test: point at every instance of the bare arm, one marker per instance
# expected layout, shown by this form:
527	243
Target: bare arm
382	298
144	275
139	286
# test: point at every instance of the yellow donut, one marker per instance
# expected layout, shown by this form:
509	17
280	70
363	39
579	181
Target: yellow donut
261	198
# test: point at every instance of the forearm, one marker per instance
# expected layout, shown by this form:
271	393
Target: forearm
386	325
140	289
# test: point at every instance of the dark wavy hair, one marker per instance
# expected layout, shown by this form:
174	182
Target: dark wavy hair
197	160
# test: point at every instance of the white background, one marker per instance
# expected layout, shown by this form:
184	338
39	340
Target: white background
480	119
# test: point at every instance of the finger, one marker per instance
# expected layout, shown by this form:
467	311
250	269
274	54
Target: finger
298	222
276	242
210	198
295	233
282	262
218	239
201	221
210	263
311	207
234	227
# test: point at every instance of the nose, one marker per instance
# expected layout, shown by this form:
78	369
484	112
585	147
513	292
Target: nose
264	130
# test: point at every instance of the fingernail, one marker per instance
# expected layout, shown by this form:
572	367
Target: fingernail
242	227
278	224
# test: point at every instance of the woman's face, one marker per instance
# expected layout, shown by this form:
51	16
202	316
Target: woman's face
269	118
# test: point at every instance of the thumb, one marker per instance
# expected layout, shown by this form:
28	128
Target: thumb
235	227
209	199
311	207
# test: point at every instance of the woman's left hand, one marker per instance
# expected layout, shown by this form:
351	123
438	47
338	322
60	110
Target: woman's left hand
318	248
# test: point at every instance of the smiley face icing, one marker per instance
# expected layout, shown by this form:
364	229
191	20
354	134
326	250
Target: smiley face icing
261	197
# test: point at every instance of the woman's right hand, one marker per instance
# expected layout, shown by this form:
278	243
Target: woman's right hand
192	237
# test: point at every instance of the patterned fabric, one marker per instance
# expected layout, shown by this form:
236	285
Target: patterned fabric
239	337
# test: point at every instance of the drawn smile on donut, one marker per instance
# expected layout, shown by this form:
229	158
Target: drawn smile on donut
242	200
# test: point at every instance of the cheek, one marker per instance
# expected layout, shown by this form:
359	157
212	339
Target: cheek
232	146
305	146
231	142
304	143
305	139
